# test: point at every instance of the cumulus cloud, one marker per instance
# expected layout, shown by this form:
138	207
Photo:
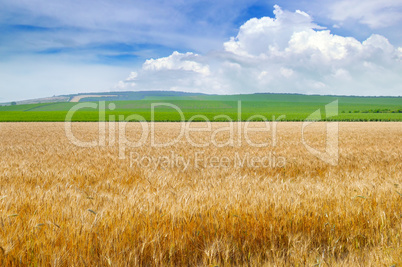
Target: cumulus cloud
177	61
288	53
128	83
258	35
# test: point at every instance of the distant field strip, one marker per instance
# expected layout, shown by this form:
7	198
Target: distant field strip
78	98
288	107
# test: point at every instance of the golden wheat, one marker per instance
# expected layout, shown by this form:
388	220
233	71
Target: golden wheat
62	205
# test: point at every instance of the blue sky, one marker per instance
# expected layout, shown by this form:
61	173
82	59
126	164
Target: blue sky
62	47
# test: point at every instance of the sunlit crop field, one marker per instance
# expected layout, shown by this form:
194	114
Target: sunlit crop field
65	205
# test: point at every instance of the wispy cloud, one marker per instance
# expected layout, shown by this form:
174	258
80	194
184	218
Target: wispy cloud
376	14
37	25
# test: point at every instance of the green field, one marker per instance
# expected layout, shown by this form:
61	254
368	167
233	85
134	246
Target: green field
291	107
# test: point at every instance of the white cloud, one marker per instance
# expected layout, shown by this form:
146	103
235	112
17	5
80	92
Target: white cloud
288	53
287	73
133	75
374	13
177	61
322	44
128	83
257	35
342	74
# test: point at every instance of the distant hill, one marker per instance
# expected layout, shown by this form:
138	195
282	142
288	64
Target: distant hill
108	96
166	95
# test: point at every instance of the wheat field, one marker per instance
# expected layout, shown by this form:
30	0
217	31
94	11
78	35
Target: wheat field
64	205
